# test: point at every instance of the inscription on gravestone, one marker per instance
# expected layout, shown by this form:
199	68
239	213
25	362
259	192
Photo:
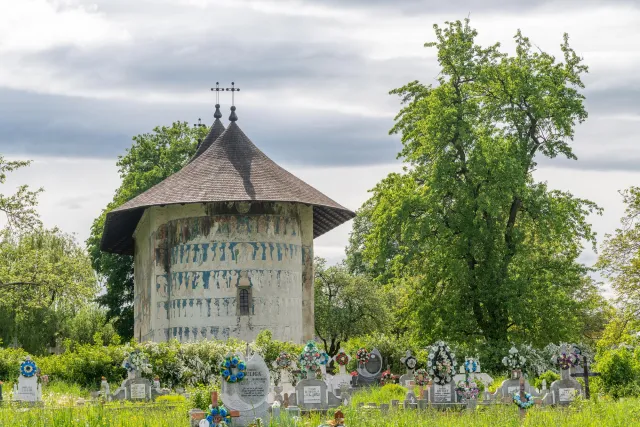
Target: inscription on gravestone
312	394
253	389
566	394
138	391
442	393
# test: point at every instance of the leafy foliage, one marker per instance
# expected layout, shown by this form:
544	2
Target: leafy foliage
18	208
152	157
345	306
619	372
620	257
487	250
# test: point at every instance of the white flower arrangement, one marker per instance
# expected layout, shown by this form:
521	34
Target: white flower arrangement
136	361
514	360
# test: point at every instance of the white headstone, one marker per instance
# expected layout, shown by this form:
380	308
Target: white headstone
249	396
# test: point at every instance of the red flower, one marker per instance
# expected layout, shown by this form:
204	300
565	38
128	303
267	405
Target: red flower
354	374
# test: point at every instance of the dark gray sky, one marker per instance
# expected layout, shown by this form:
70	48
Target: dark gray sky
79	78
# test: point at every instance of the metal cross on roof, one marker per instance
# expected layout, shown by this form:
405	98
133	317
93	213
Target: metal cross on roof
233	89
217	90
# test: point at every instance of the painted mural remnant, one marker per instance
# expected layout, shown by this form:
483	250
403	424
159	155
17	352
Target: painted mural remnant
218	276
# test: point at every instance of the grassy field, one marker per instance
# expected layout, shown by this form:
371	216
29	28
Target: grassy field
597	413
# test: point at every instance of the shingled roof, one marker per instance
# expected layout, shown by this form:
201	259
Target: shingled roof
216	130
232	168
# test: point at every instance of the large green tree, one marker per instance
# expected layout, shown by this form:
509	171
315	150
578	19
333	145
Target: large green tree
152	157
346	306
620	257
491	254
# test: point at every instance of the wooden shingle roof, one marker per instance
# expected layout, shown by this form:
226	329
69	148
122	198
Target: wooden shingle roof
232	168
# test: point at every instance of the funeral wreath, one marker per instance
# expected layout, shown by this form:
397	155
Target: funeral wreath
441	363
230	364
28	368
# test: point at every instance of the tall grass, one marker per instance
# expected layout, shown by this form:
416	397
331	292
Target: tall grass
596	413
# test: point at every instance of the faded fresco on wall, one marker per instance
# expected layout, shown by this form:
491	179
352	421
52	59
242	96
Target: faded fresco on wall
196	280
143	263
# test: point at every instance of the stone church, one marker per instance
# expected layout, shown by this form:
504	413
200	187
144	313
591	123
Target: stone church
224	247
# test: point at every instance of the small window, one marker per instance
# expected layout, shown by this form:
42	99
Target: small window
244	298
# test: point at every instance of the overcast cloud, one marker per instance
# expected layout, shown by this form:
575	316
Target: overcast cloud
79	78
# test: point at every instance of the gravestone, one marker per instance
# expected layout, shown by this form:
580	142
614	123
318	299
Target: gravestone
565	389
312	394
135	388
342	378
442	394
442	390
512	386
249	396
27	389
369	373
410	363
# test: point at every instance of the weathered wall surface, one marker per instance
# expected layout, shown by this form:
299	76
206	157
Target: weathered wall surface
143	279
202	254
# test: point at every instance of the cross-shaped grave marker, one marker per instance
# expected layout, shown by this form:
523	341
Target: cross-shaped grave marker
586	374
523	397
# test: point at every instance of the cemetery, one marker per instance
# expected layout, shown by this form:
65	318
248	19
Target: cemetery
212	286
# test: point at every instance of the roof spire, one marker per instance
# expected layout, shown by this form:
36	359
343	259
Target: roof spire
217	90
233	89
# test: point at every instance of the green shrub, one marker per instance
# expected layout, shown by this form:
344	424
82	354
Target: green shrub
550	376
172	399
619	372
10	359
201	397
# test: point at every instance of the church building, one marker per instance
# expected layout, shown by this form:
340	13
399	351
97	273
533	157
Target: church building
224	247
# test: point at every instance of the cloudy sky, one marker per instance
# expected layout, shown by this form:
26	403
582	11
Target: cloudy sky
79	78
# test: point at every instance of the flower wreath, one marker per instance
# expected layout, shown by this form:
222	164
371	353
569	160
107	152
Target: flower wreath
363	355
470	365
218	416
232	362
284	360
529	402
442	363
567	357
311	358
342	358
28	368
514	361
424	374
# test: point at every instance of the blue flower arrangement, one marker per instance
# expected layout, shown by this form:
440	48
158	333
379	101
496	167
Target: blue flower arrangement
28	368
218	416
470	365
528	400
230	364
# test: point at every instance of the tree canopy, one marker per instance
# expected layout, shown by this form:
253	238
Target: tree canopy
346	306
152	157
491	253
620	257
